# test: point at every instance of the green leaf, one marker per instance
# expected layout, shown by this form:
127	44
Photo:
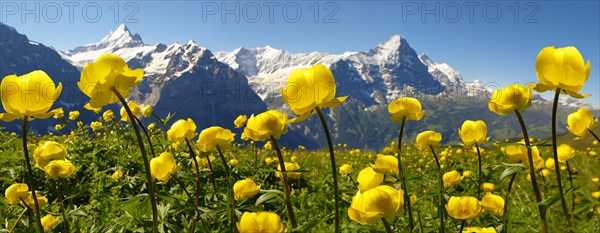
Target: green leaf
510	170
266	197
549	201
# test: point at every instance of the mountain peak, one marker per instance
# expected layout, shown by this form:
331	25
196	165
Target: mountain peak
122	34
393	43
425	59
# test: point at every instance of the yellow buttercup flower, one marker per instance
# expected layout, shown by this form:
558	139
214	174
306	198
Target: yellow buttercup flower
49	222
549	163
309	88
289	167
473	132
203	163
117	175
245	188
73	115
565	152
58	127
182	130
106	74
405	107
29	95
261	222
136	109
59	169
462	208
163	166
488	187
467	174
562	68
214	136
265	125
386	163
506	100
48	151
108	115
345	169
147	111
451	178
240	121
96	125
374	204
428	138
493	203
479	230
59	113
234	162
42	200
518	154
368	178
580	122
15	192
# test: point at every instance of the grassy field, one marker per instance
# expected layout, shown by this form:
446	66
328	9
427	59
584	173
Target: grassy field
98	203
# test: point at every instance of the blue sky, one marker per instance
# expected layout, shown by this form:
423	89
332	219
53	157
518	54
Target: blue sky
495	42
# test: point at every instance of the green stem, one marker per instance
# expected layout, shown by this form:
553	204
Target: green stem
505	215
388	228
563	201
146	161
534	182
147	137
333	169
30	176
462	225
187	194
212	174
62	207
286	185
230	199
571	186
441	186
18	220
193	154
480	173
593	134
402	176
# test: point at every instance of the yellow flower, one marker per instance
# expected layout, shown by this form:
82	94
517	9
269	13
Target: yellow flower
518	154
182	130
479	230
467	173
108	115
106	74
234	162
473	132
59	113
288	168
48	151
545	172
269	160
549	163
214	136
565	152
506	100
163	166
96	125
42	201
405	107
413	199
245	188
261	222
462	208
58	127
595	179
49	222
117	175
596	194
368	179
147	111
30	94
203	162
59	169
561	68
386	163
136	110
428	138
16	192
345	169
265	125
493	203
240	121
488	187
151	126
374	204
580	122
73	115
451	178
309	88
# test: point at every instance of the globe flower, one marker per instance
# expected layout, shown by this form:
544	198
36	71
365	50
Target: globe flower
29	95
59	113
345	169
374	204
261	222
117	175
182	130
135	109
518	154
309	88
58	127
240	121
467	174
368	178
245	188
488	187
506	100
479	230
386	163
96	125
108	115
107	74
214	136
15	192
73	115
234	162
428	138
451	178
265	125
493	203
565	152
163	166
49	222
288	168
203	162
473	132
549	163
59	169
146	111
562	68
48	151
42	200
462	208
405	107
580	122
